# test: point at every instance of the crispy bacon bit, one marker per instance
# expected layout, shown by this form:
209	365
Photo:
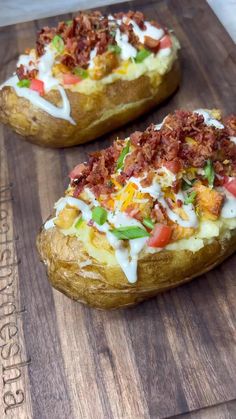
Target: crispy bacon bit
179	203
176	186
151	149
148	180
151	43
230	124
159	214
22	73
134	212
78	172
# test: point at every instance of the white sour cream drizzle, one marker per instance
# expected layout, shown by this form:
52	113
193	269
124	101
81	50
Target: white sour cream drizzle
45	64
127	50
229	207
157	127
126	257
28	61
93	54
154	189
208	119
164	52
151	31
188	209
233	139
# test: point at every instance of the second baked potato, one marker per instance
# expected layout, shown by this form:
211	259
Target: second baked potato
89	76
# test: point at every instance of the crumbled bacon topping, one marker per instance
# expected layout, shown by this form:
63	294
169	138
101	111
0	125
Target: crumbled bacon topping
230	124
80	36
184	137
88	31
23	73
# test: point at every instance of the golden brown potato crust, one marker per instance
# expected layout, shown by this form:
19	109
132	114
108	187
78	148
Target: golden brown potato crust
106	287
95	113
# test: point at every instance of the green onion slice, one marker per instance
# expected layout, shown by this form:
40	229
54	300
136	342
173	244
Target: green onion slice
190	198
209	172
141	55
114	48
110	183
99	215
79	222
187	184
24	83
129	233
81	72
120	161
69	22
148	223
58	43
113	33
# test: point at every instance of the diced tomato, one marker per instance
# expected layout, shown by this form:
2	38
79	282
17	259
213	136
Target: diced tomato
69	78
231	186
165	42
160	236
77	171
37	86
173	166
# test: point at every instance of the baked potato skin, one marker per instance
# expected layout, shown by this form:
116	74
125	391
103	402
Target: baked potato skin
106	287
94	113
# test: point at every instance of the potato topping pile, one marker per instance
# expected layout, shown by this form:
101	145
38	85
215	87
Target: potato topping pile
184	144
92	41
88	31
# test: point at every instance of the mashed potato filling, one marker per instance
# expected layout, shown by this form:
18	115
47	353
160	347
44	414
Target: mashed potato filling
101	250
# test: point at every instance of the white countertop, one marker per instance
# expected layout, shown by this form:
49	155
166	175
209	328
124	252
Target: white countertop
12	11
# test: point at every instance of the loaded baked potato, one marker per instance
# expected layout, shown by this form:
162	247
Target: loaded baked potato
88	76
146	214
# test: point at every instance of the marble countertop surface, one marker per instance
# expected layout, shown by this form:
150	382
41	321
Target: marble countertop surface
24	10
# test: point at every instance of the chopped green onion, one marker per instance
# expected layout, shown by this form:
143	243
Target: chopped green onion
187	184
79	222
141	55
58	43
69	22
24	83
110	183
120	161
80	72
99	215
114	48
148	223
129	233
209	172
113	33
190	198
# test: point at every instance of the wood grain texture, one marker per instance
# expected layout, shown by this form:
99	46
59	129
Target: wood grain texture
172	355
225	410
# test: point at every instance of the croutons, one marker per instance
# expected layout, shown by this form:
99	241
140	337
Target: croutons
66	217
209	202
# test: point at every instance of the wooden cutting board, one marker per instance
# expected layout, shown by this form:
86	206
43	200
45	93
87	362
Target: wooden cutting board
60	360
